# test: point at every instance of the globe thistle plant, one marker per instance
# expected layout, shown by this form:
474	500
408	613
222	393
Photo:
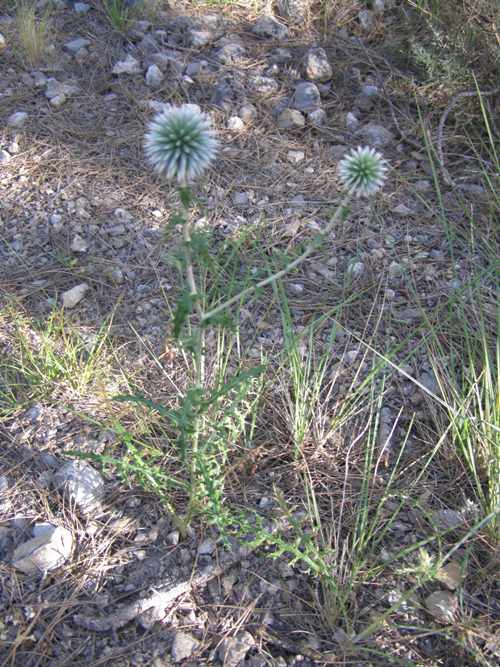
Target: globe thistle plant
363	171
180	143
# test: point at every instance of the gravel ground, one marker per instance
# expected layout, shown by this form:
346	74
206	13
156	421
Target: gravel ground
82	225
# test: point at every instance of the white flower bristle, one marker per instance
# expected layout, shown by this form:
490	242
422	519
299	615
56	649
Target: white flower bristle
363	171
180	143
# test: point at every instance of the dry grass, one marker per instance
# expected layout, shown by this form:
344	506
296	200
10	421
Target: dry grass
34	31
316	443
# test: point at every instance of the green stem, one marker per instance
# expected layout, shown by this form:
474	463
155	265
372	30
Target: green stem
199	350
315	243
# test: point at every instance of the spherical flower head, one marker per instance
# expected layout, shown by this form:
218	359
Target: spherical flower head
363	171
180	142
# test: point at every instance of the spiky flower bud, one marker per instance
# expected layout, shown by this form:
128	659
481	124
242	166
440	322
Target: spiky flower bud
180	142
363	171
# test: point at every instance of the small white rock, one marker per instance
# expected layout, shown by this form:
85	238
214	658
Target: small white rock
351	122
154	76
83	484
73	296
356	269
17	119
3	43
49	549
39	79
235	123
4	156
79	244
295	156
247	113
74	45
317	117
128	66
57	101
183	646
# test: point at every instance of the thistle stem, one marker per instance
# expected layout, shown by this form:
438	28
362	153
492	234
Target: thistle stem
315	243
198	353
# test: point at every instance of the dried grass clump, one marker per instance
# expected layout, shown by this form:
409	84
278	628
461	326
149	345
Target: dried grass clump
33	33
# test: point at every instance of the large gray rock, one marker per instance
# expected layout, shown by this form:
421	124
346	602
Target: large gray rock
83	485
306	97
50	548
268	26
316	65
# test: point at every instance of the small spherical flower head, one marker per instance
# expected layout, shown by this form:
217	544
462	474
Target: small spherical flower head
363	171
180	143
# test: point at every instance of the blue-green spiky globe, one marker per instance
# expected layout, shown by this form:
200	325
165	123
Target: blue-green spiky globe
180	143
363	171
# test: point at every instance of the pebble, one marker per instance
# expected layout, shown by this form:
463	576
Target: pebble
50	548
82	483
264	85
306	97
295	156
73	296
235	123
316	65
395	270
17	119
79	244
376	135
129	65
448	519
74	45
154	76
281	56
450	575
233	650
55	88
81	7
200	38
269	26
184	645
39	79
442	605
3	43
247	113
5	156
351	121
290	119
294	11
317	117
57	101
356	269
231	53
